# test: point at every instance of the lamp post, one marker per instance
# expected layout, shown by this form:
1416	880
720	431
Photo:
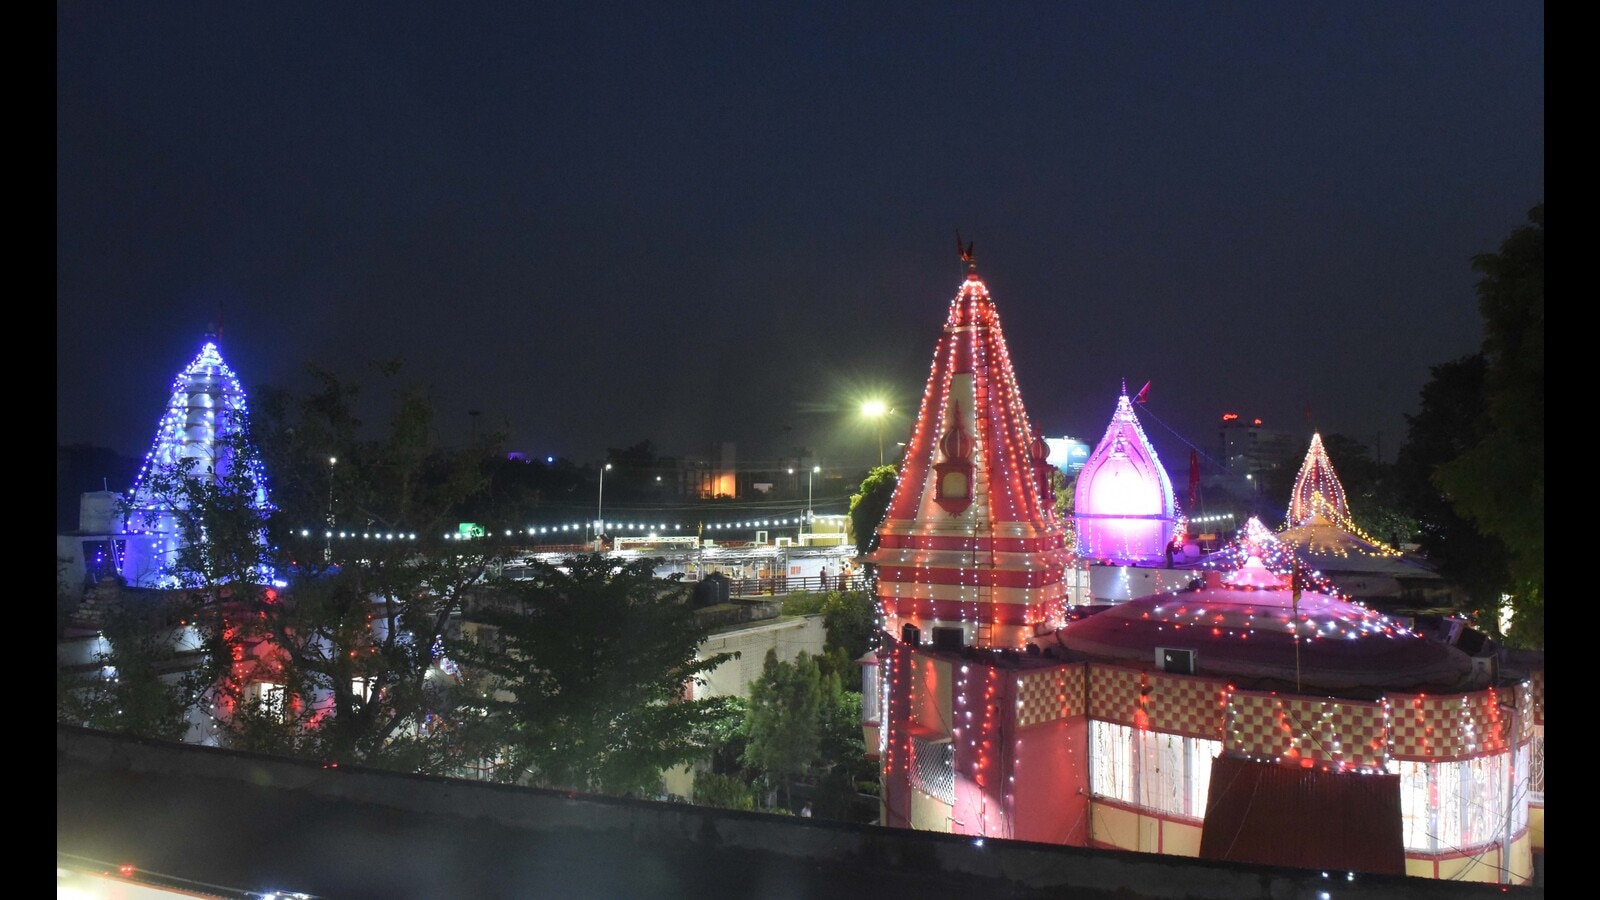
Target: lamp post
327	549
809	476
599	511
876	410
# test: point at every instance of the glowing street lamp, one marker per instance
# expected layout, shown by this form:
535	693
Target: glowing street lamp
327	550
599	510
809	475
876	410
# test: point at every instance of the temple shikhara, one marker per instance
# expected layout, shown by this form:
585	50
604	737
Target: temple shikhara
971	542
196	438
1123	503
1250	712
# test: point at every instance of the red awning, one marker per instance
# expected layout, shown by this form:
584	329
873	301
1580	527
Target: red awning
1275	815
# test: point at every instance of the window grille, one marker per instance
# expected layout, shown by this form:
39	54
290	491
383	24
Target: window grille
1536	767
935	768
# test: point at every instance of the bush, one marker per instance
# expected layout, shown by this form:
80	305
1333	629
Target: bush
803	604
723	791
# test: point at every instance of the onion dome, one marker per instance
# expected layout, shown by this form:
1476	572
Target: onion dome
969	540
1123	505
956	445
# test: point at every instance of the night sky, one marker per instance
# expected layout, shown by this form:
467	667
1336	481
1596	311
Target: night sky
604	223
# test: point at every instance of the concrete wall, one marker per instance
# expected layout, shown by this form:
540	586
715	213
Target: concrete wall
790	636
243	820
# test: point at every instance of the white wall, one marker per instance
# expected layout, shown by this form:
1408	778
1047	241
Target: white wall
790	636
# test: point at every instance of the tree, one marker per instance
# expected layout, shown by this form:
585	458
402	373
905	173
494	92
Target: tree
583	670
1498	482
842	751
868	507
1444	426
784	719
723	791
148	667
341	661
1064	489
851	621
1371	490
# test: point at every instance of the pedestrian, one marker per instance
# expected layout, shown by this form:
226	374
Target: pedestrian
805	811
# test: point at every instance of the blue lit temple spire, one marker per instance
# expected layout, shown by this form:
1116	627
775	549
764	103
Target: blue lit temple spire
207	408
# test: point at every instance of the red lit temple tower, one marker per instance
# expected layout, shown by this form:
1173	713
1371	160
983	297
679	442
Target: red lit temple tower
970	540
970	566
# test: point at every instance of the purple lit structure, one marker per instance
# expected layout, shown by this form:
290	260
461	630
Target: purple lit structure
1123	504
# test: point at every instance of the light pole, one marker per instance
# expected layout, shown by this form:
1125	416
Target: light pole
809	476
327	550
876	410
599	511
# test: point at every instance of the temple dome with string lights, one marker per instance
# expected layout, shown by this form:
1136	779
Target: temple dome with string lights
1242	625
206	409
1123	505
970	540
1321	533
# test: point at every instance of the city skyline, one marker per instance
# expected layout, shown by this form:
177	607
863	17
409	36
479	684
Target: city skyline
624	224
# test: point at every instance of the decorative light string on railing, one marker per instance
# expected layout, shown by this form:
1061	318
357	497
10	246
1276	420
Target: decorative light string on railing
578	528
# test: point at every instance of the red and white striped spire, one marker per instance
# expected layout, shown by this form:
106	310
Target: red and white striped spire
971	538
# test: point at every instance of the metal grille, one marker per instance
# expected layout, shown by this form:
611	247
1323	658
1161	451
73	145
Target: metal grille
935	768
1536	767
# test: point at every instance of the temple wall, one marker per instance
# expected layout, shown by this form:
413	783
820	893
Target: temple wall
929	813
1482	865
1050	792
1120	827
1119	583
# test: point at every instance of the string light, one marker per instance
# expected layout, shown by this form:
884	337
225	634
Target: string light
991	557
206	408
1124	509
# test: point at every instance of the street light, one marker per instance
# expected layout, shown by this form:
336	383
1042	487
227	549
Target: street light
876	410
809	476
327	550
599	511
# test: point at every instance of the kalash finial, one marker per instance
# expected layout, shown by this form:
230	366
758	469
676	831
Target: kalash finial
967	258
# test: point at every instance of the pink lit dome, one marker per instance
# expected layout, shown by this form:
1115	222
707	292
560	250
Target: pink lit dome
1123	504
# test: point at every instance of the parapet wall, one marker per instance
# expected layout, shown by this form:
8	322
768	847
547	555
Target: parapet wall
173	805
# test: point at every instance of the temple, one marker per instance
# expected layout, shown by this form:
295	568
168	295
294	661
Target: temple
970	548
1244	710
1322	534
1123	503
199	436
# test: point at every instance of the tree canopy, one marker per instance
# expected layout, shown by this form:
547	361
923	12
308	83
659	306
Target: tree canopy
1498	481
867	508
785	717
582	670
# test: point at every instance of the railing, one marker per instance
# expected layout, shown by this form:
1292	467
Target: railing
790	584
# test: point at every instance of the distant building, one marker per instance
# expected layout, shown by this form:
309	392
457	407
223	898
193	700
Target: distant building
1250	448
1067	454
